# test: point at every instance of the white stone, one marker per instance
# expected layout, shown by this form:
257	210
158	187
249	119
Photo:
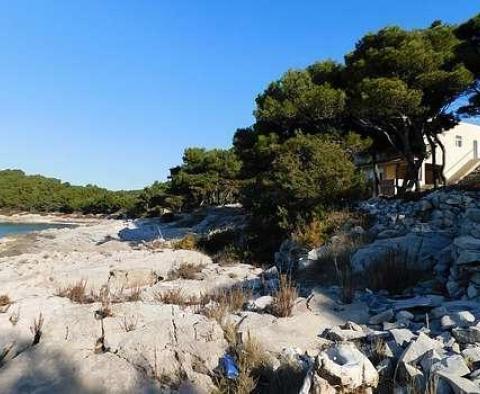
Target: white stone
345	366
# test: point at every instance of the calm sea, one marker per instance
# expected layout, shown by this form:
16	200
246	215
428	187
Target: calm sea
21	228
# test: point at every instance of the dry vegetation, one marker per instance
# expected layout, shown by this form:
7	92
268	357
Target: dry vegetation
316	232
129	323
5	300
77	292
5	303
392	273
225	301
284	298
251	359
36	329
215	305
227	257
172	296
188	271
189	242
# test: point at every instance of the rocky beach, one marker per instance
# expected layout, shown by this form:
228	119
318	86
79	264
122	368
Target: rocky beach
119	306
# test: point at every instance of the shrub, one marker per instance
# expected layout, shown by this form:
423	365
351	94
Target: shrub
189	242
284	298
316	231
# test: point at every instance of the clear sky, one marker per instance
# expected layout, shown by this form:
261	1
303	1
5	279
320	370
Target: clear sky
111	91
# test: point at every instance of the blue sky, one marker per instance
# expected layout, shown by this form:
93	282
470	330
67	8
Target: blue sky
110	92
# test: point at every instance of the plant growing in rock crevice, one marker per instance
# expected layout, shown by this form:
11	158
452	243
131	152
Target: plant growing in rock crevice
76	292
36	329
14	317
284	298
129	323
392	272
224	301
5	303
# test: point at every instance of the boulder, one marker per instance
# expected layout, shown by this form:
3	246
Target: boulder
454	365
467	335
339	334
467	243
468	257
382	317
472	354
465	317
457	384
261	303
418	348
345	366
404	316
421	250
447	322
402	336
473	214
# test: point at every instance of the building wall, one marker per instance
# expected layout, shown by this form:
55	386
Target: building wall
458	156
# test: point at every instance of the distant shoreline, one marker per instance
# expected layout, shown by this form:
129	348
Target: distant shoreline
50	218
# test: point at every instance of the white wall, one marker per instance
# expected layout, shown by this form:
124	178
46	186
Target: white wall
456	156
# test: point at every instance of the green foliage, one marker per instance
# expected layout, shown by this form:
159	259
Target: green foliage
310	174
469	52
206	177
401	84
35	193
297	102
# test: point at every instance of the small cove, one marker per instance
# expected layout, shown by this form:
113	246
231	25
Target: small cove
23	228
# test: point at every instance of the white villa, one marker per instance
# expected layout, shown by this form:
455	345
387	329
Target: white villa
462	157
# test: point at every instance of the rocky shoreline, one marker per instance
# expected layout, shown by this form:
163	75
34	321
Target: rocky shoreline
123	310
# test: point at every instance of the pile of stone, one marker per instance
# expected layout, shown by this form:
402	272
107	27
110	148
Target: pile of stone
440	233
398	351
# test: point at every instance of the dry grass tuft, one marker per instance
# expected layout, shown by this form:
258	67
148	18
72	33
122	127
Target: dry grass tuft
129	323
251	358
105	299
392	273
284	298
227	257
36	329
172	296
14	318
224	301
5	303
188	271
134	294
5	300
215	311
76	293
234	298
5	352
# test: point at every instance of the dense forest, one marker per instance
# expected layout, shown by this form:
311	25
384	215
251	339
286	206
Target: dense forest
36	193
398	90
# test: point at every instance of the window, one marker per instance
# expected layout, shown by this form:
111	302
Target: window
458	141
